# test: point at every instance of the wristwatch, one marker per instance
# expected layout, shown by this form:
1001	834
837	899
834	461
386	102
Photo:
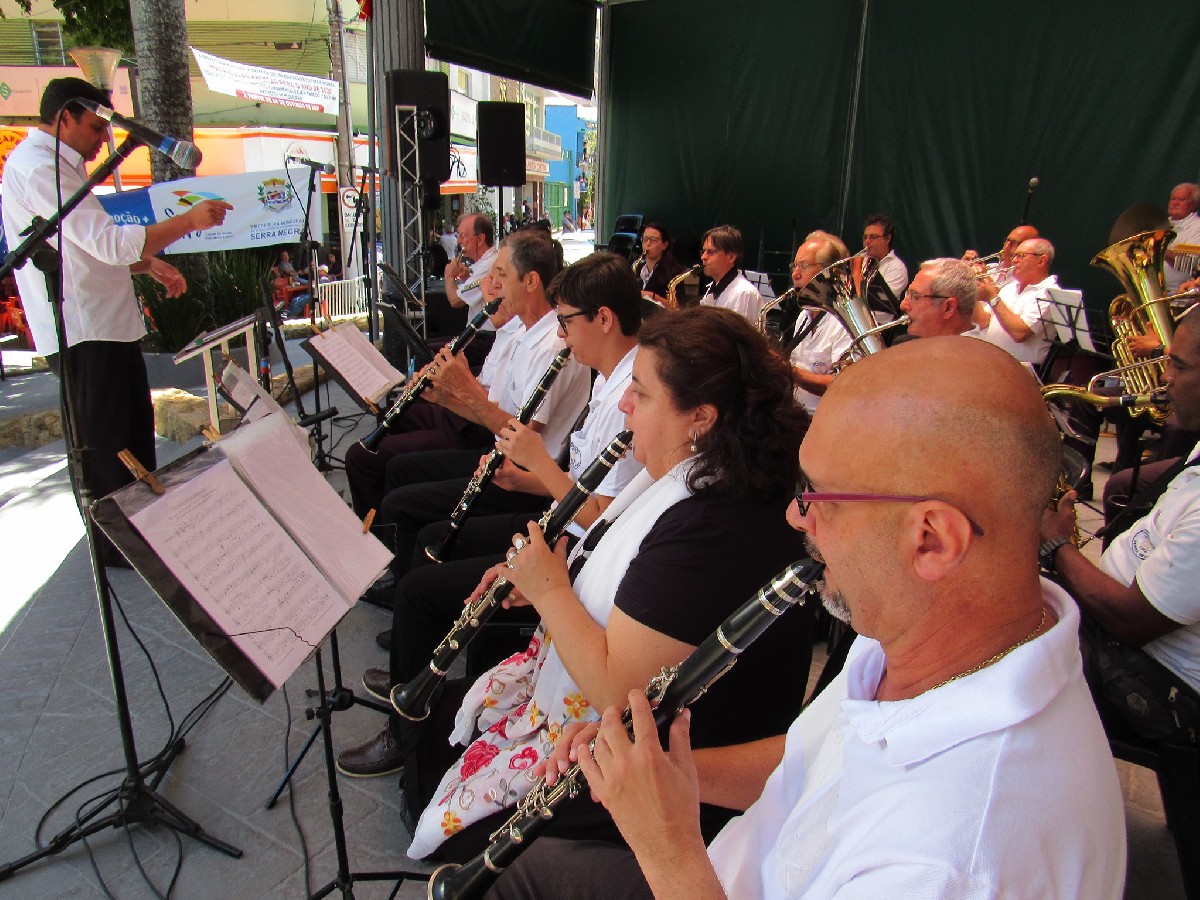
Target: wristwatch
995	300
1048	551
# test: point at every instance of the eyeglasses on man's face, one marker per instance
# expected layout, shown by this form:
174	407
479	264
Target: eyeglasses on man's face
806	496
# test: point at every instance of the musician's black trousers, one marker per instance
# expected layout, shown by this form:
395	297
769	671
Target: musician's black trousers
423	426
423	488
112	405
557	869
430	597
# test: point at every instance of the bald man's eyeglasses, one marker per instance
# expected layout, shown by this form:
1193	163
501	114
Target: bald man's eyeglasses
1017	256
806	496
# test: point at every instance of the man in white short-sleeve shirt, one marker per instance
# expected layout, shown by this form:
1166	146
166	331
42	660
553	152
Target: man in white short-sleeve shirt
721	256
102	318
1015	317
1144	591
823	340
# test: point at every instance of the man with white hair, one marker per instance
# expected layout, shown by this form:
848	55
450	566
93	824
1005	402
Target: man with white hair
1181	207
941	299
1014	317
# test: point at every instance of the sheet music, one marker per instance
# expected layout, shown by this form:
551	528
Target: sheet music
1068	317
310	509
354	360
241	566
363	345
245	391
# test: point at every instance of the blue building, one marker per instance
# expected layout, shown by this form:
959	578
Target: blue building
564	174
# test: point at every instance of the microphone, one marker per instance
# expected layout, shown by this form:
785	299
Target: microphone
327	168
184	154
1033	186
366	169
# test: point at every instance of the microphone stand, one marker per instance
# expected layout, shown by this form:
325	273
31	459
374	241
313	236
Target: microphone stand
321	460
136	800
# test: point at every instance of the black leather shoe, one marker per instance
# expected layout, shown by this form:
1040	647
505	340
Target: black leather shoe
378	683
379	756
382	593
384	639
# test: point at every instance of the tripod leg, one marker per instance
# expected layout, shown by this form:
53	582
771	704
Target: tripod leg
159	810
287	776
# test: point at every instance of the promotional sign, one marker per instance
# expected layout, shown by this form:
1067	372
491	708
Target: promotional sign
266	210
267	85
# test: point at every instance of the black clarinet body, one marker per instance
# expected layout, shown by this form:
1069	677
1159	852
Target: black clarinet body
414	390
414	698
673	688
483	477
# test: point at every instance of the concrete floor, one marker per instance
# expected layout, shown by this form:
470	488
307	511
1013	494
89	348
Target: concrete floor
61	726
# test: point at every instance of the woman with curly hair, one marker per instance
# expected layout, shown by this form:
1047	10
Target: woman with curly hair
717	428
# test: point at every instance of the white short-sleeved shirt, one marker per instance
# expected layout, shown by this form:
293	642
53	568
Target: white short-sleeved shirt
819	352
99	303
999	784
1030	304
471	290
895	273
740	296
1187	231
1162	551
604	422
533	351
495	365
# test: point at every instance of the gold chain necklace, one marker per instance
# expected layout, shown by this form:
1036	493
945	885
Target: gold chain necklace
983	665
999	656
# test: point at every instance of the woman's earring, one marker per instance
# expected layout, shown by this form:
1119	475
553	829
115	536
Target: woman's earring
693	447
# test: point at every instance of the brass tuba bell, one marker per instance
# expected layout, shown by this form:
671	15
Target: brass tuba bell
1144	309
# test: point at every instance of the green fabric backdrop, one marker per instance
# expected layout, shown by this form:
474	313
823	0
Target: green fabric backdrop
738	113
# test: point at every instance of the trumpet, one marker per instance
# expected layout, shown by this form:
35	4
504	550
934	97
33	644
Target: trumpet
674	689
414	698
495	459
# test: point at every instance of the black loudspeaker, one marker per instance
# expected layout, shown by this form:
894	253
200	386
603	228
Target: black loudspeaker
501	144
429	92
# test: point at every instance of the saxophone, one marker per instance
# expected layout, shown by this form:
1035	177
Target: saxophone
414	698
483	477
771	304
673	688
673	285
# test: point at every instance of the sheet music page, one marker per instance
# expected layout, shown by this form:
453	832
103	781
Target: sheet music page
242	567
258	403
370	352
343	357
310	509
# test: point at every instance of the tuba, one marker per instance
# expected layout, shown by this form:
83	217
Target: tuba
1137	262
849	279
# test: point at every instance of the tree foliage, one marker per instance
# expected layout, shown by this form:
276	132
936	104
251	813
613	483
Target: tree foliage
102	23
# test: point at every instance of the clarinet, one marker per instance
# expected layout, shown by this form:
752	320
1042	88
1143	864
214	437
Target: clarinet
674	688
413	699
483	477
414	390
